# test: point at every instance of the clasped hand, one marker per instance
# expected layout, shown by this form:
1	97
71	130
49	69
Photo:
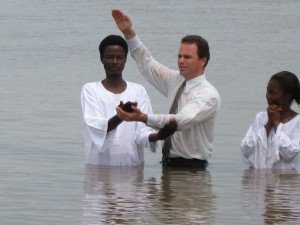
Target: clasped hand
274	114
130	112
127	106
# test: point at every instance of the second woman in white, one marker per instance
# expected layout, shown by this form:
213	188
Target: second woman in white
273	140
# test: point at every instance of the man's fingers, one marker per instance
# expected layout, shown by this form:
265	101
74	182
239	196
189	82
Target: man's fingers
117	14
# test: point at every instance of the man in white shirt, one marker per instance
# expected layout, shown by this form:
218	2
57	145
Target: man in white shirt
198	105
108	140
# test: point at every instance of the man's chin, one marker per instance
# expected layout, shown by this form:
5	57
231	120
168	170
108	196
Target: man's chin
182	72
115	71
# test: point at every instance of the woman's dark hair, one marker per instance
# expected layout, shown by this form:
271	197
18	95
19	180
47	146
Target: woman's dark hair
289	84
113	40
201	43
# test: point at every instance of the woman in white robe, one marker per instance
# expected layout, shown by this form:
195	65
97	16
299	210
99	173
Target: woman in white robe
273	140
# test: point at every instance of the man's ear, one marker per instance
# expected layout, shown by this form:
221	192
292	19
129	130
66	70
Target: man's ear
203	61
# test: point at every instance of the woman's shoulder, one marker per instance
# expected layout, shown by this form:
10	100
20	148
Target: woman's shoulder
296	119
261	117
262	114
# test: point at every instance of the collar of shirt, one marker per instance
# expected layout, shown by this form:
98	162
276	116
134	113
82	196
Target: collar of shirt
194	82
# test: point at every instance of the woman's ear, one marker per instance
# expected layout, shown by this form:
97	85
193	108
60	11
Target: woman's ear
288	97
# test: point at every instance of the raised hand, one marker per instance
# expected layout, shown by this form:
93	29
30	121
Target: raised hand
123	21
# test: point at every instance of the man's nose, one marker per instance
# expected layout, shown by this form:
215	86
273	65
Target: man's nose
114	59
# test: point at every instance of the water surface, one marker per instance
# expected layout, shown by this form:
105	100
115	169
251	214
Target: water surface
50	49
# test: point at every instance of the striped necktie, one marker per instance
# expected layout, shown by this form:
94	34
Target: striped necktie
167	144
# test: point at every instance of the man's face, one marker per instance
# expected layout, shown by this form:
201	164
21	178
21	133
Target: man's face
114	60
189	63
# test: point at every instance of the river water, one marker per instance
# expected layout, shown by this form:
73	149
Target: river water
49	49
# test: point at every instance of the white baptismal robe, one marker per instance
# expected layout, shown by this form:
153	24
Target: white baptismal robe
123	145
278	150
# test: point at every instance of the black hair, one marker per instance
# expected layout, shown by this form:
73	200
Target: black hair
113	40
289	83
202	45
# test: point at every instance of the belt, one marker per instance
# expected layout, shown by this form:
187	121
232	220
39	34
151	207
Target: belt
182	162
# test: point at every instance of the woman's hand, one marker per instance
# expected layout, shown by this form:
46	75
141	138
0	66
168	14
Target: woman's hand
274	117
274	114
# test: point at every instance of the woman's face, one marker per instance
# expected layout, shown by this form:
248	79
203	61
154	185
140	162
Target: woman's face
275	94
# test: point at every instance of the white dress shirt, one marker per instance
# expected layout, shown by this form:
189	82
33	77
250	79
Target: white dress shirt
278	150
123	145
197	106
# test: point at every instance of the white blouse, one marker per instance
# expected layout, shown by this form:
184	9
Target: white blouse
278	150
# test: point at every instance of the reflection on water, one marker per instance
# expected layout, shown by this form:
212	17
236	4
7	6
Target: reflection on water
186	197
272	195
114	195
121	195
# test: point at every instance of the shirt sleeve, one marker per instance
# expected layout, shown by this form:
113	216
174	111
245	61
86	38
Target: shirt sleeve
144	131
287	146
254	145
195	111
154	72
201	108
95	124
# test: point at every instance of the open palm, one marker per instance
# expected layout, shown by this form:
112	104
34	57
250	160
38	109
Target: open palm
122	20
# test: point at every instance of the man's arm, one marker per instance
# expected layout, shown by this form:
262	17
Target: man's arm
164	132
113	123
137	115
124	23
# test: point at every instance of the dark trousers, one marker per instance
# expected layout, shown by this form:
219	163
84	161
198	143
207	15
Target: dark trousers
182	162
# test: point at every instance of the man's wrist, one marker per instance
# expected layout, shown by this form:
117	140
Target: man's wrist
153	137
117	118
144	118
129	34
